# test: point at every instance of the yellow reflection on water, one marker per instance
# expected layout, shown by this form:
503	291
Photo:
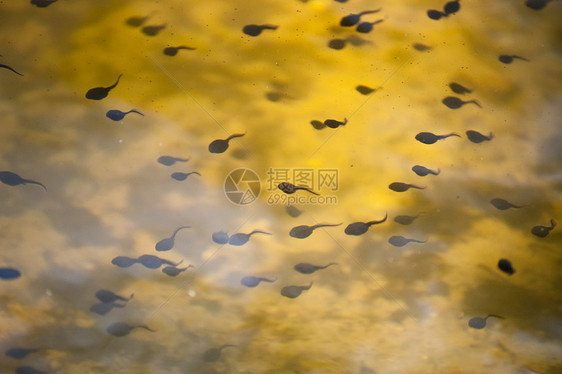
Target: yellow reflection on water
382	309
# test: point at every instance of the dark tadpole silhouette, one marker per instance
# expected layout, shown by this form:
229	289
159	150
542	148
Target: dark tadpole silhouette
124	261
400	241
502	204
104	308
359	228
459	89
479	323
405	220
537	4
117	115
19	353
106	296
255	30
290	188
172	51
452	7
182	176
173	271
153	30
422	171
337	44
505	266
28	370
436	14
241	238
293	211
9	68
12	179
365	90
367	27
137	21
421	47
9	273
454	102
220	237
306	268
98	93
221	145
154	262
214	354
42	3
304	231
121	329
430	138
293	292
402	187
476	137
318	125
543	231
168	243
508	59
251	281
354	18
169	160
333	124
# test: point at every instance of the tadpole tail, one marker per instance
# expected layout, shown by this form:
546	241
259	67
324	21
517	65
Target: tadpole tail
520	58
370	223
475	102
448	135
306	189
268	27
34	182
234	136
178	229
495	315
330	264
146	328
370	12
114	84
9	68
184	47
417	187
259	232
306	288
135	111
325	225
552	224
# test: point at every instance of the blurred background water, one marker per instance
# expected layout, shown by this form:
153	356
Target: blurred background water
382	308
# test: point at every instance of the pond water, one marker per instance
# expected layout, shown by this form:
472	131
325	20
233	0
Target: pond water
105	201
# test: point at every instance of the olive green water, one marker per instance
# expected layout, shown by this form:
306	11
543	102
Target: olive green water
382	309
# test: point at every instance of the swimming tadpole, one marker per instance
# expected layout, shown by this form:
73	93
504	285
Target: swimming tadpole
359	228
172	51
221	145
502	204
255	30
106	296
402	187
336	44
306	268
173	271
365	90
422	171
366	27
169	160
251	281
290	188
333	124
476	137
104	308
19	353
117	115
459	89
153	30
154	262
508	59
452	7
293	211
42	3
454	102
12	179
400	241
137	21
241	238
318	125
479	323
183	176
430	138
293	292
214	354
9	68
304	231
505	266
421	47
120	329
436	14
9	273
537	4
98	93
543	231
404	220
354	18
220	237
124	261
168	243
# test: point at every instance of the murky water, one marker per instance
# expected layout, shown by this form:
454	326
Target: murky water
384	308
